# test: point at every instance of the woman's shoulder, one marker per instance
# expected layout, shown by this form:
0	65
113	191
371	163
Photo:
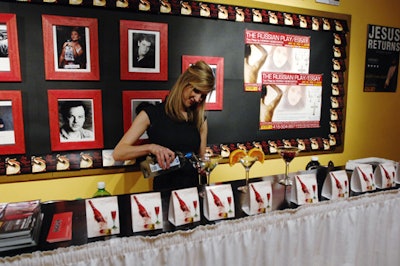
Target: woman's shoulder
155	109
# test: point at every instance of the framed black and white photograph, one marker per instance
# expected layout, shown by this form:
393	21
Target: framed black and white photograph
12	137
10	70
75	119
144	50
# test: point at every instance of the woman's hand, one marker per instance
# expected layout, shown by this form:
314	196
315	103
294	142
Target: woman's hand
164	155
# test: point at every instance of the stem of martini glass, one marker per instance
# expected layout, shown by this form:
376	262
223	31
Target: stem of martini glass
208	177
287	173
247	176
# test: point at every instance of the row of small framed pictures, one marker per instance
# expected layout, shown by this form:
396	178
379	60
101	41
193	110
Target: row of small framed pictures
97	158
71	49
61	161
211	10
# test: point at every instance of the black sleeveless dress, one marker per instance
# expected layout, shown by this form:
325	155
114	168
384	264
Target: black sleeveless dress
177	136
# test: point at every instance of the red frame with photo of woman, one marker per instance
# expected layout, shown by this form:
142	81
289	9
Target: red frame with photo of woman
52	45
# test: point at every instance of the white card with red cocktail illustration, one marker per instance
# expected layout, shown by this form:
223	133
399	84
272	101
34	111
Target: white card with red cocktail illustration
304	189
184	206
397	177
146	211
362	178
336	185
258	198
218	202
102	216
385	174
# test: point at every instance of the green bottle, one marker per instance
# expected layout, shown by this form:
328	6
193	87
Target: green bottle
101	190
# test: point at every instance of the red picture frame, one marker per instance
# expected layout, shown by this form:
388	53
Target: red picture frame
10	70
93	123
214	101
131	101
12	138
156	34
58	32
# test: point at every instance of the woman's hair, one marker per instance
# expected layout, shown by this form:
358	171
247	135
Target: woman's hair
199	76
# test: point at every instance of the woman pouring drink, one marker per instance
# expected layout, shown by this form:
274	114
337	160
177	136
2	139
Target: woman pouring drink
177	124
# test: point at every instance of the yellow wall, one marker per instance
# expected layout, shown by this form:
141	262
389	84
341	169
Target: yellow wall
372	119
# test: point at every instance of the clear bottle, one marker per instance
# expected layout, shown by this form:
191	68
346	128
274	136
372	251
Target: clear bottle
151	168
313	164
101	190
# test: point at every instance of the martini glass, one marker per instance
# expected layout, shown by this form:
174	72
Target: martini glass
247	162
207	164
288	154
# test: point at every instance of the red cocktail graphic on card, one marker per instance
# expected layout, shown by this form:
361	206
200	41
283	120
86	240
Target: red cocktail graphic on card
389	178
314	189
229	199
268	199
113	217
144	214
259	199
221	208
195	203
184	208
365	178
338	186
157	211
305	190
98	217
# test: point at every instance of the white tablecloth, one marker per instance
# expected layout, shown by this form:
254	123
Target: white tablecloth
363	230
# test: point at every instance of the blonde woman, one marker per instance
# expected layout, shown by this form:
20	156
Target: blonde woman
178	124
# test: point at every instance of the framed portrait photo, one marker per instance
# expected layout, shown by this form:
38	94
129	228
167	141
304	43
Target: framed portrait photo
135	101
75	118
10	70
143	50
12	140
70	48
214	100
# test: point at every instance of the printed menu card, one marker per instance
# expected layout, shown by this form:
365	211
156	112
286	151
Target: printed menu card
102	216
258	198
336	185
218	202
146	211
184	206
362	178
304	189
385	174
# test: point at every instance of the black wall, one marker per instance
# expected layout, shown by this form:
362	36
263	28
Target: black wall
237	122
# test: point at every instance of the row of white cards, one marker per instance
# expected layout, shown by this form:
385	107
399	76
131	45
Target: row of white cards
218	200
336	184
102	214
